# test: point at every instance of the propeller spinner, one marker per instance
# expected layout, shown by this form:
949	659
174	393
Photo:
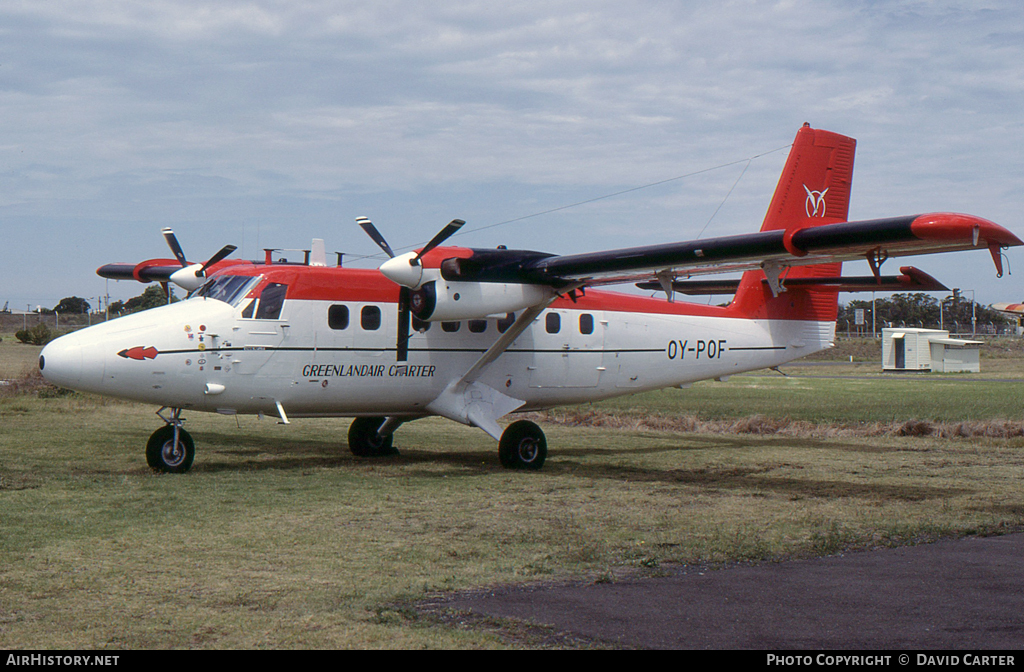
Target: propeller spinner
191	276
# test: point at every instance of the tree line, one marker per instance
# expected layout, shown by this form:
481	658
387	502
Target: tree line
922	310
41	334
151	297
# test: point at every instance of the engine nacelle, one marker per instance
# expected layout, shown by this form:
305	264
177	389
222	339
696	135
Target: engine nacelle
445	301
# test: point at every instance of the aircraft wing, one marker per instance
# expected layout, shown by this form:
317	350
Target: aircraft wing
177	270
153	270
876	240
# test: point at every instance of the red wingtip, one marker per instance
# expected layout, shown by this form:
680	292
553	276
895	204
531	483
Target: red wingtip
952	226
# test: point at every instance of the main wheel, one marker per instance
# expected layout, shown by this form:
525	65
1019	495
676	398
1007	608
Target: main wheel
163	455
364	441
523	446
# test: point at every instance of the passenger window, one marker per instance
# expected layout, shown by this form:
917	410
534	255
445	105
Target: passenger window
337	317
370	318
451	327
271	301
553	323
586	323
506	322
478	326
247	313
422	326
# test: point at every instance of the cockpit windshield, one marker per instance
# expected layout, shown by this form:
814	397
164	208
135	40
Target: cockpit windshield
227	288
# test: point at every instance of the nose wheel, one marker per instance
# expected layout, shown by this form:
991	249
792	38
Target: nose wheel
170	449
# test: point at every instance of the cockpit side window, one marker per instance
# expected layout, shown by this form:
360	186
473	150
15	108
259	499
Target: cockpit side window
271	301
227	288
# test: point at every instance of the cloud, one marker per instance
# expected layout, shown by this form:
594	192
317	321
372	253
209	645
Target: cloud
299	114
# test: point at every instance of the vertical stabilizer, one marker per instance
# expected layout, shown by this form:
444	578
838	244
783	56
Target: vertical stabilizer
814	189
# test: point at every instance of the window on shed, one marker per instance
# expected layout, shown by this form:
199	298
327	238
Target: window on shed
370	318
337	317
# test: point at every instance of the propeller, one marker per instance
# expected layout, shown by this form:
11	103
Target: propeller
406	270
191	276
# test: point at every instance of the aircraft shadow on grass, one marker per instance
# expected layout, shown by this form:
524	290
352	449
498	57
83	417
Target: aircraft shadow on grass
292	454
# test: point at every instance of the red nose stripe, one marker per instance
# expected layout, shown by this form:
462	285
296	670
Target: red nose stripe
139	353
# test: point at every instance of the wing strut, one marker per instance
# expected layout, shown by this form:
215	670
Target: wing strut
469	401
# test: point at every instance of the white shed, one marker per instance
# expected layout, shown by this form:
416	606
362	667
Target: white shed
928	350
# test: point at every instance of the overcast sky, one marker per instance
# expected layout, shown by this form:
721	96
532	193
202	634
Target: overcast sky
268	123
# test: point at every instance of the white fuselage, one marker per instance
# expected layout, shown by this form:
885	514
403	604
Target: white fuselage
339	358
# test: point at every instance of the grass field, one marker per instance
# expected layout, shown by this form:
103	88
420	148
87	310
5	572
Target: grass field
279	537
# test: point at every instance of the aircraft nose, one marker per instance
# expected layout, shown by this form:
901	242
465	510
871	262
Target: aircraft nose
61	361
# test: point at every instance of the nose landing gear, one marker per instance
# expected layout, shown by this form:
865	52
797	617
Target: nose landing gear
170	449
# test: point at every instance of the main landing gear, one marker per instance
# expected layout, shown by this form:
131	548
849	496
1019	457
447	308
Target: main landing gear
365	441
170	449
522	446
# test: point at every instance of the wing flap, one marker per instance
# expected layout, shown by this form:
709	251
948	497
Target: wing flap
911	279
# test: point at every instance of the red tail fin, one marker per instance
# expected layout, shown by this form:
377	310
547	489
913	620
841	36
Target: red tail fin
814	189
815	185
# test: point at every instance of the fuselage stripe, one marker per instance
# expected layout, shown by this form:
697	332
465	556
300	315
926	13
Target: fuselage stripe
271	348
761	347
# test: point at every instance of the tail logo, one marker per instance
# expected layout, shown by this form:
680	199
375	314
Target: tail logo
815	205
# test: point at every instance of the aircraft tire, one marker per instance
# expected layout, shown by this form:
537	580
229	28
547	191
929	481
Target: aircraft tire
523	446
364	442
161	455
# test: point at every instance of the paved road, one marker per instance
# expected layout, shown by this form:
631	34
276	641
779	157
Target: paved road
964	594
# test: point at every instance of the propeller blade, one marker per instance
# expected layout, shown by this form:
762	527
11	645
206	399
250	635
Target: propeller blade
374	234
172	242
224	251
442	235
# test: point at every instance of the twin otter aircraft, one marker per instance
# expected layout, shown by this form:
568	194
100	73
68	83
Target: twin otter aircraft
473	335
